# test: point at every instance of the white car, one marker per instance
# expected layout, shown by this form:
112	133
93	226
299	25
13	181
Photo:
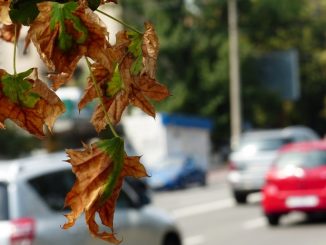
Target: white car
32	193
257	150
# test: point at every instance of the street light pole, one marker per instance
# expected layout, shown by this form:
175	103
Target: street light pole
235	110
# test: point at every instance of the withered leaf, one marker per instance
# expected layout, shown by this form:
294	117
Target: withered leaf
144	48
63	33
150	50
122	87
114	107
100	169
28	102
147	88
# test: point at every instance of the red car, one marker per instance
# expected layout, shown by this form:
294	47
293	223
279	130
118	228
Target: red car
297	181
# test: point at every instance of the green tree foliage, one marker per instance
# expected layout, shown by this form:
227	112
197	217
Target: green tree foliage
14	143
194	57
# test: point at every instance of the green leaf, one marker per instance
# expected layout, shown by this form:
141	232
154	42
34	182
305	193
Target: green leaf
59	14
137	66
94	4
135	47
116	84
136	43
24	11
17	89
115	149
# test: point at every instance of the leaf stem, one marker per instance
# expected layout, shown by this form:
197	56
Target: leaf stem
15	51
120	21
98	92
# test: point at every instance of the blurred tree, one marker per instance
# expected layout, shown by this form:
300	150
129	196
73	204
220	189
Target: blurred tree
14	142
194	58
281	25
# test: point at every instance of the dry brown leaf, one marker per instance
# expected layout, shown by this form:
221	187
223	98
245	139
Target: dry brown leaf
92	167
150	88
136	90
127	87
45	111
141	88
101	73
102	76
97	44
150	50
63	63
114	108
145	88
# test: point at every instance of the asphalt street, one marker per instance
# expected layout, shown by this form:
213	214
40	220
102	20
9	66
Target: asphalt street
209	216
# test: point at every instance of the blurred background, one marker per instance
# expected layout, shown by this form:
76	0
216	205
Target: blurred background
231	67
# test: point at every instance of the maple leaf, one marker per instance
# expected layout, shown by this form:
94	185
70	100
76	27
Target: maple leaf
123	86
63	33
100	169
141	87
144	48
28	101
147	88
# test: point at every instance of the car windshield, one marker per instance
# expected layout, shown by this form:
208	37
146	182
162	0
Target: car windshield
3	202
266	144
307	159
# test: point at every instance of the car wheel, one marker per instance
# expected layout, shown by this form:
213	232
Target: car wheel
273	219
171	239
240	197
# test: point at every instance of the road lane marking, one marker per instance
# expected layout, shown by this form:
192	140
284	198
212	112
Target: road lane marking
194	240
254	223
202	208
255	197
188	198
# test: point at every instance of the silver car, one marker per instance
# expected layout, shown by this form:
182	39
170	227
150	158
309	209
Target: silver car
32	193
250	161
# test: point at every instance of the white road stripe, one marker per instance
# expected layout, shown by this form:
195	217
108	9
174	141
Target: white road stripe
194	240
254	223
203	208
188	198
255	197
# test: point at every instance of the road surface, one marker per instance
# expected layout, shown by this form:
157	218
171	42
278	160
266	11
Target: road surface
209	216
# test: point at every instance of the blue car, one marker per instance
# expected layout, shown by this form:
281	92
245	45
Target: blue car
176	173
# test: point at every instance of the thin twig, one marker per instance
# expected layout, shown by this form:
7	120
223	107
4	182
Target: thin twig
120	21
98	92
15	50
